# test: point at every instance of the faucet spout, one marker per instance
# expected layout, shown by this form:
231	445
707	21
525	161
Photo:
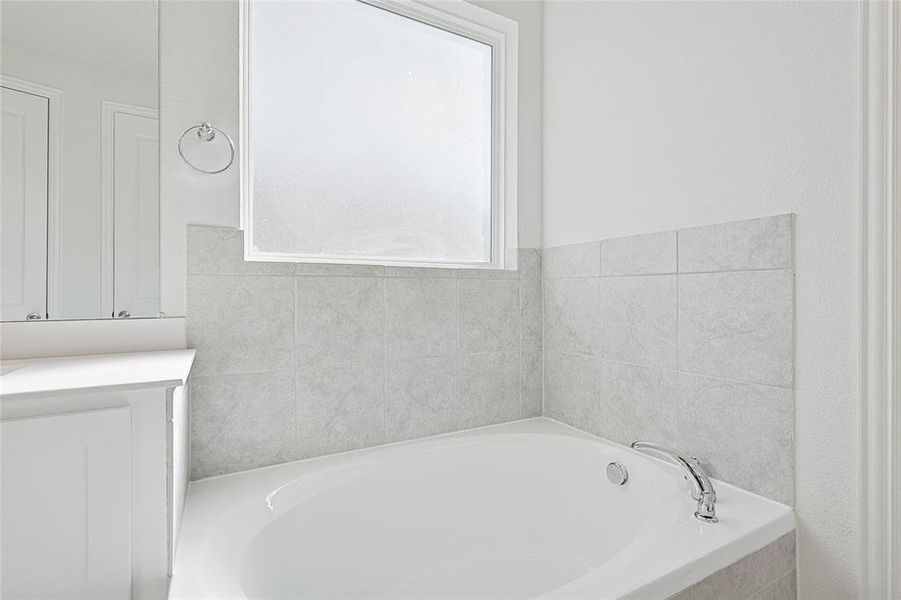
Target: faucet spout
700	487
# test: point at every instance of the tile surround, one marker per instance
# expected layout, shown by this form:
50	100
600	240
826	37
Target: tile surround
300	360
413	272
684	337
767	574
530	314
629	338
328	270
529	265
764	243
220	251
646	254
572	316
572	390
489	315
243	324
422	397
339	319
638	320
738	325
531	382
421	317
340	407
754	448
489	388
785	588
691	343
639	403
577	260
241	422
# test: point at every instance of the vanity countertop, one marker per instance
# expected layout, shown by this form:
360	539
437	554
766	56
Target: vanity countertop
45	377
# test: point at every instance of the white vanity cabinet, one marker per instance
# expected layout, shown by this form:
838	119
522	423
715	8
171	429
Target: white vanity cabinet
93	469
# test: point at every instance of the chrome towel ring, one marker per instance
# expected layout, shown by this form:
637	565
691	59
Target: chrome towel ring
207	133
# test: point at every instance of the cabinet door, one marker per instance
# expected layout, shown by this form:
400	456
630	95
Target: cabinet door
66	505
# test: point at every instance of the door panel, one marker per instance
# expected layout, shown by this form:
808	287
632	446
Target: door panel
137	215
23	208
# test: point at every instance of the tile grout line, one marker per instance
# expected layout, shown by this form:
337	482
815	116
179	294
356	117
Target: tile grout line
521	371
599	338
294	360
541	330
541	327
295	275
677	302
662	273
385	355
458	380
241	373
676	370
678	407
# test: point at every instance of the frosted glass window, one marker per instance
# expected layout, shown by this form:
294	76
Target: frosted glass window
371	135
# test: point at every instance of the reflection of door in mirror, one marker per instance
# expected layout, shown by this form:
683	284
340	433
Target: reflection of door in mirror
130	165
23	217
86	245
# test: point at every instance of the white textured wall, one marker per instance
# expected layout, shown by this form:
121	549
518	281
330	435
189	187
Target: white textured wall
199	81
665	115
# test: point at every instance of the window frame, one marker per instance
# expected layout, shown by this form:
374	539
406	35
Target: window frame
458	17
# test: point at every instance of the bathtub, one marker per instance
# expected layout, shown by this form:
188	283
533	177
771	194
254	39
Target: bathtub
511	511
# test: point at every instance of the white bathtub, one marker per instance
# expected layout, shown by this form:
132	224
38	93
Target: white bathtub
517	510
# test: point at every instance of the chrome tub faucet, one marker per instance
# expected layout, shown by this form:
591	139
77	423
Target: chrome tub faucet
698	483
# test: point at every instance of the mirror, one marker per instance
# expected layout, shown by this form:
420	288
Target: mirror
80	159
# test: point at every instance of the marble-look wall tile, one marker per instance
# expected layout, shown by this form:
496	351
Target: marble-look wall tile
576	260
715	304
529	263
752	575
422	397
785	588
511	273
572	390
241	422
337	270
764	243
638	320
531	383
427	272
340	407
571	315
640	403
489	388
744	432
489	315
422	317
339	319
240	324
738	325
376	353
220	251
530	311
647	254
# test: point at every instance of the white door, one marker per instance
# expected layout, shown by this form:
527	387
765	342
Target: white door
23	206
136	209
66	505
